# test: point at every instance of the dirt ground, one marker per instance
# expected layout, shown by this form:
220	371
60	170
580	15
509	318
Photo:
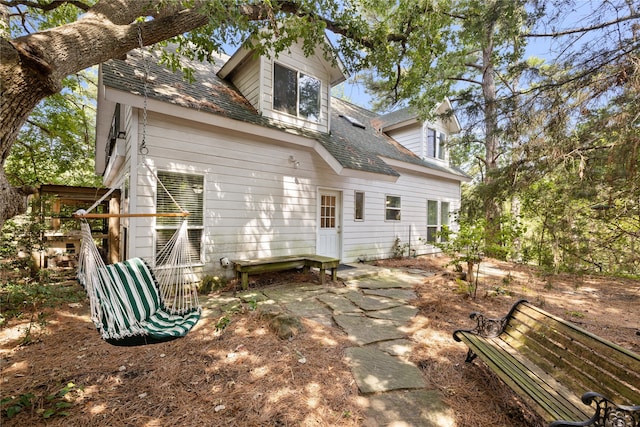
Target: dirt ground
244	375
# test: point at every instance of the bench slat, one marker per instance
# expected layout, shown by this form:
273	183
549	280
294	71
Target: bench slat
540	391
550	362
285	262
569	403
562	349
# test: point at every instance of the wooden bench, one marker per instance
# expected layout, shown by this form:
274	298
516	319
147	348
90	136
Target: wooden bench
550	362
287	262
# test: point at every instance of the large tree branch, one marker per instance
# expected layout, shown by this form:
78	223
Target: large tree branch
600	26
45	7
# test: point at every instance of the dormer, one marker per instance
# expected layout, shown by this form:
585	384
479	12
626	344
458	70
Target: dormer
291	88
426	139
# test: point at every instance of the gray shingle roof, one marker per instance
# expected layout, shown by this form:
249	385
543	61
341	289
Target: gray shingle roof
352	146
398	116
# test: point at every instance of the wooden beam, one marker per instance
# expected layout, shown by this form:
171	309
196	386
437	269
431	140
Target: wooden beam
130	215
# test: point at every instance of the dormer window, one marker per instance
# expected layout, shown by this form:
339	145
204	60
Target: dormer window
296	93
436	144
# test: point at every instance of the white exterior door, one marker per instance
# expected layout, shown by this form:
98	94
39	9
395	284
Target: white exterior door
329	226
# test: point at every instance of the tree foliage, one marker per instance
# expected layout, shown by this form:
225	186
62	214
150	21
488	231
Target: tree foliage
56	144
554	140
44	42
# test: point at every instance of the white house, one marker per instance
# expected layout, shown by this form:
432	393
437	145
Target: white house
267	162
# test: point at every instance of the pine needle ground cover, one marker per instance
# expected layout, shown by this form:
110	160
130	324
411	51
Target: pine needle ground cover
235	371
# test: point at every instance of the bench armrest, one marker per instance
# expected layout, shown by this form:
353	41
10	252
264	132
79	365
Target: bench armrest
488	327
607	413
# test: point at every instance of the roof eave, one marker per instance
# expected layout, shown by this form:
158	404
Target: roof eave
399	164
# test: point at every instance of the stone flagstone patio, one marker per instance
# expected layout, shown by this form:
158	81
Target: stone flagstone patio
372	309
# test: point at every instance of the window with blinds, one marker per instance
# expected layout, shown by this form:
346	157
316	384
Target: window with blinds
188	192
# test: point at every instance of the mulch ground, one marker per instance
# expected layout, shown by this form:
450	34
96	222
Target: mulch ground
244	375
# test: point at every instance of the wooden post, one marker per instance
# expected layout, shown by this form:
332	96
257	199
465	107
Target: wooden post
114	231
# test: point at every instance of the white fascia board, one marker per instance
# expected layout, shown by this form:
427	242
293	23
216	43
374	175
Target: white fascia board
397	164
369	176
402	124
104	113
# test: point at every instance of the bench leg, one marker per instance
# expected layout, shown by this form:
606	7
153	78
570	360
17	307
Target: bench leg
322	274
334	274
470	356
245	280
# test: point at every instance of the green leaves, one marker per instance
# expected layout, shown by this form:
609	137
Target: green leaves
56	145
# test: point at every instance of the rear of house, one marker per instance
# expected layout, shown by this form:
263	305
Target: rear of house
267	162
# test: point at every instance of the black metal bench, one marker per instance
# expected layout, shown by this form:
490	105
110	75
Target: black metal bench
549	362
287	262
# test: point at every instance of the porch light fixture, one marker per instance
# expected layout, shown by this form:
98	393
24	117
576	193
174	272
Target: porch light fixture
294	162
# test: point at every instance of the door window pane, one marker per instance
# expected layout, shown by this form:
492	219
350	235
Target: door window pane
328	212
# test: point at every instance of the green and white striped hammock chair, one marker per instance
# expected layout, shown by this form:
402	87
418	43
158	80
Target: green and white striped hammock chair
134	302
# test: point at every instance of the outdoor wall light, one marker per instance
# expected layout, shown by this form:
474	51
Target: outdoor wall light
294	162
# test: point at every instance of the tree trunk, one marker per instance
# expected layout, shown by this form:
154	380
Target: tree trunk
491	205
33	67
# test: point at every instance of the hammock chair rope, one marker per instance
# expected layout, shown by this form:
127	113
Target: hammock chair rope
135	301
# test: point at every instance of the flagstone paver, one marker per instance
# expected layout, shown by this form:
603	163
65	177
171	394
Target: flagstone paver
401	294
372	311
376	371
401	347
400	315
364	330
312	308
382	282
339	304
372	302
411	408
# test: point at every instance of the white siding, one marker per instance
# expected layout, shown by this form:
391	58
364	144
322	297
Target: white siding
247	80
373	238
257	204
411	137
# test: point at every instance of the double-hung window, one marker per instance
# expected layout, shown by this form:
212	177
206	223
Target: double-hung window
432	221
296	93
188	191
436	144
437	218
392	208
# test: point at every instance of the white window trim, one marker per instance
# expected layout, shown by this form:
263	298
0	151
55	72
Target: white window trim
386	196
436	143
298	72
200	261
355	198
